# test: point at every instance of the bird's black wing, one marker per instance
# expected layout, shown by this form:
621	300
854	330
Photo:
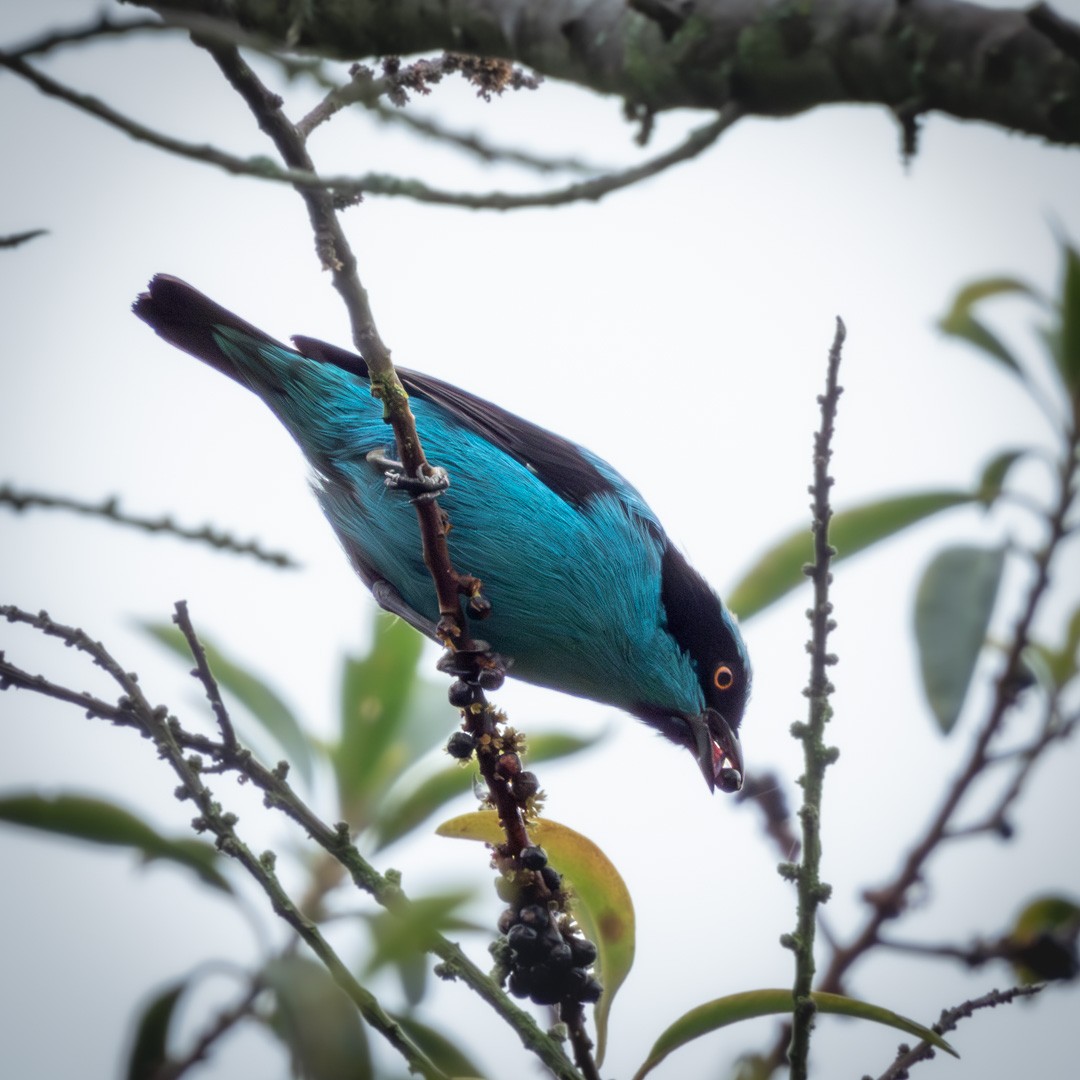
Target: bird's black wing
557	462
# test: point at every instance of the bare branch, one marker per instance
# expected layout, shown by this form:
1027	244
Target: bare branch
478	147
17	239
203	673
174	742
223	1023
949	1021
889	901
697	142
101	27
109	509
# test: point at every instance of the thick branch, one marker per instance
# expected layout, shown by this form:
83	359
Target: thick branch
769	57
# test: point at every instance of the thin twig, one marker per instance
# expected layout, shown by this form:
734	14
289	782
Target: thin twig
398	81
103	26
223	1023
474	144
336	254
14	240
203	673
377	183
697	142
109	509
132	710
889	901
135	710
1025	759
949	1021
812	890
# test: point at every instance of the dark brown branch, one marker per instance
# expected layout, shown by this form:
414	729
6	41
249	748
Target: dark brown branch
949	1021
102	27
109	509
336	255
1061	31
14	240
223	1023
888	902
967	61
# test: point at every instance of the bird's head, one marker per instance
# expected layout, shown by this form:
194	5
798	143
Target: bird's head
707	633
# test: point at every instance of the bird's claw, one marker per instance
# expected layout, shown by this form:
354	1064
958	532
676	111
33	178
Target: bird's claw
422	488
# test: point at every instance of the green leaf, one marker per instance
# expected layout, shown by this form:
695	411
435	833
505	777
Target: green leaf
442	1051
601	901
84	818
960	322
780	569
406	932
1043	943
150	1048
316	1020
403	810
375	707
261	702
953	605
1069	354
716	1014
1056	667
992	481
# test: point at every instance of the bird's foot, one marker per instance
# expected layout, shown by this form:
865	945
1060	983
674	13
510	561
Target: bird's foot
421	488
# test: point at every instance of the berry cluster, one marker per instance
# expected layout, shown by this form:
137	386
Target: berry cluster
545	956
549	959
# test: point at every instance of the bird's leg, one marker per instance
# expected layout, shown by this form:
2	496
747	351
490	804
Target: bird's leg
421	488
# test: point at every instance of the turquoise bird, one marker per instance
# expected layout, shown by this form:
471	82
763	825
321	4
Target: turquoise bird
588	595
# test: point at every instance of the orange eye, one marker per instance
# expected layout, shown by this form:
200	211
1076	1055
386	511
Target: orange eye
723	677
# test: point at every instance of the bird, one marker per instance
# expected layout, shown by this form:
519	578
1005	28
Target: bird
587	593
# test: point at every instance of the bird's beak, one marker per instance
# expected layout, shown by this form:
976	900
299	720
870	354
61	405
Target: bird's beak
718	751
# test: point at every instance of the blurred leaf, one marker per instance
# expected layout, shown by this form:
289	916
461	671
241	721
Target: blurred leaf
446	1054
780	569
753	1067
398	816
403	811
318	1023
1051	339
263	703
375	695
413	973
1069	354
953	605
753	1003
84	818
1043	943
1056	667
600	900
960	322
992	481
150	1049
404	933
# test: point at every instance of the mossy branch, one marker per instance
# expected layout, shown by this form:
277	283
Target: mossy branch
194	756
812	891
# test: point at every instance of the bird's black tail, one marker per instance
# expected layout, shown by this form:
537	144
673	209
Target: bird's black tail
187	318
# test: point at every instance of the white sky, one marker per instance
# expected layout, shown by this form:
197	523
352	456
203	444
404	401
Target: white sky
680	330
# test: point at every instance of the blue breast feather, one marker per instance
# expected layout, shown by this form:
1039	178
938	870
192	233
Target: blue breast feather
574	587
